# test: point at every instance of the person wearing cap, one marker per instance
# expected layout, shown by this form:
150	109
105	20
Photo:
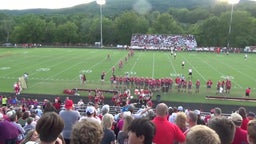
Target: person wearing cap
8	132
240	134
251	116
70	117
90	115
251	132
166	132
200	121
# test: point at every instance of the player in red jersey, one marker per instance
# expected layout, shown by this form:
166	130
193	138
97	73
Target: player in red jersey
209	85
197	86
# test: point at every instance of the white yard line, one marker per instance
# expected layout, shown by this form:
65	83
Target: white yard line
173	68
137	60
219	72
153	68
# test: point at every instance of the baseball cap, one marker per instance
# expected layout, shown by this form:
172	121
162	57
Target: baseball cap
236	117
68	104
90	109
252	114
180	108
197	112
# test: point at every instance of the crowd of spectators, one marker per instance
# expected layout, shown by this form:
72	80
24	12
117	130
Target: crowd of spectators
163	41
61	122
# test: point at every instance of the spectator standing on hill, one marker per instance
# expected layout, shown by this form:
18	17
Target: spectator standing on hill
166	132
70	117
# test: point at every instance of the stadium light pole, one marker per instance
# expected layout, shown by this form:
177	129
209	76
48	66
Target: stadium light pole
101	2
232	2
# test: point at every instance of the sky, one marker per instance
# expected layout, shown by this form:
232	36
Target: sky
31	4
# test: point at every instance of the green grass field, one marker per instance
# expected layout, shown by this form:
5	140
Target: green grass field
51	70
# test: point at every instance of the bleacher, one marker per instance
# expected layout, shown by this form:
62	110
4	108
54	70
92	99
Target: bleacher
163	42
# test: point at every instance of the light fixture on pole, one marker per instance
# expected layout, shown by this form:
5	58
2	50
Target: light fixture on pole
232	2
101	2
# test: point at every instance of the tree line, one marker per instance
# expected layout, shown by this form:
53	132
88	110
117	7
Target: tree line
210	25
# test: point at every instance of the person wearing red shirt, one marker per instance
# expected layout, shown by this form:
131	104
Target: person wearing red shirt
209	85
243	113
240	134
197	86
247	92
166	132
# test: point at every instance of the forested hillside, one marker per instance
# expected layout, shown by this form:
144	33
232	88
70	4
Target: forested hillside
208	20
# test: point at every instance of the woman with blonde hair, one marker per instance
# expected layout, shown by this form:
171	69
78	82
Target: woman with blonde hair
86	131
109	136
181	120
122	136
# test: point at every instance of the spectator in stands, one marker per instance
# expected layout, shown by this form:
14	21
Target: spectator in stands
217	112
166	132
251	116
172	117
70	117
240	134
49	127
201	134
90	112
141	131
48	107
105	109
224	127
181	120
13	119
251	132
191	120
122	137
86	132
8	132
22	120
32	136
28	127
109	136
199	119
243	113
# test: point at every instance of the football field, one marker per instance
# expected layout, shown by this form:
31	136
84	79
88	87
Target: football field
51	70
